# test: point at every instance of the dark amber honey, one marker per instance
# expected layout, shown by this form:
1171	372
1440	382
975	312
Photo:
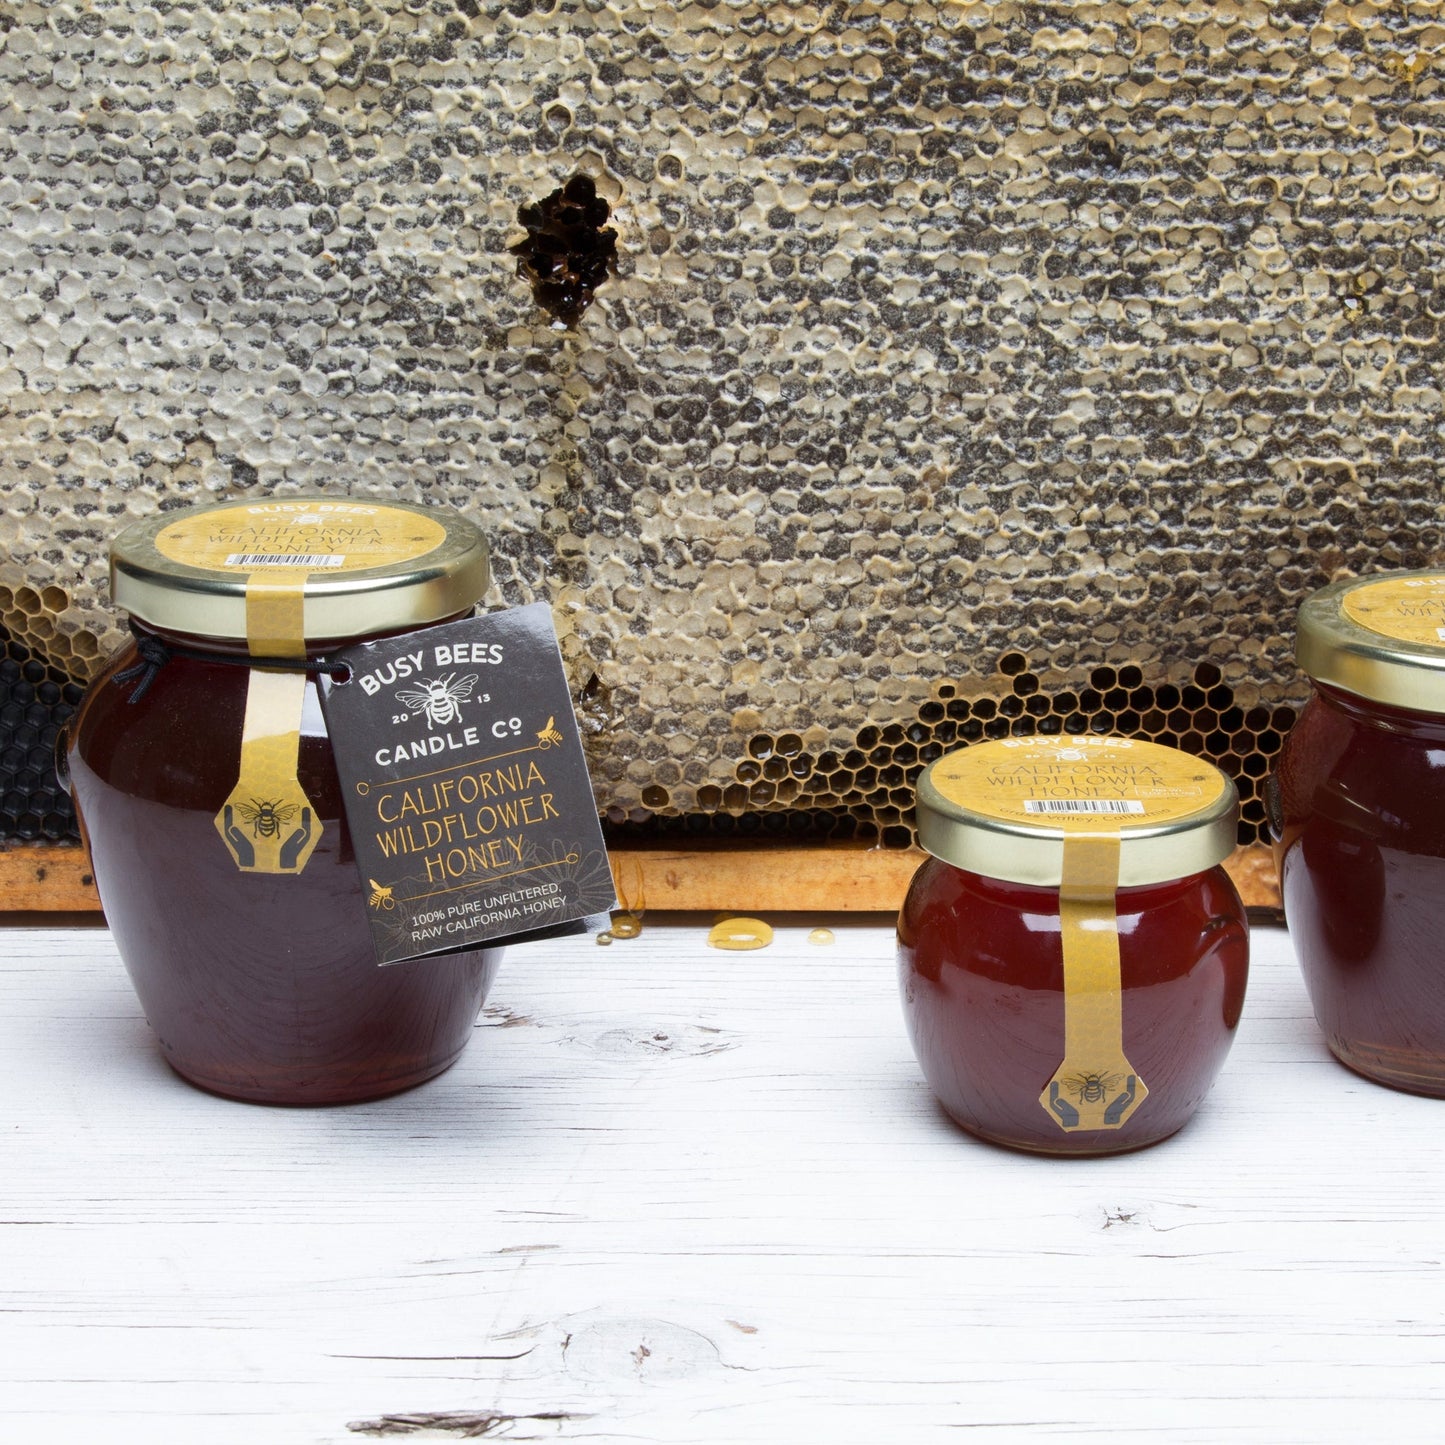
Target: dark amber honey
981	969
1357	817
1358	800
258	986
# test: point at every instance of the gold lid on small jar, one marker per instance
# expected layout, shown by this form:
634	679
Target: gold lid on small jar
1004	809
1380	637
362	566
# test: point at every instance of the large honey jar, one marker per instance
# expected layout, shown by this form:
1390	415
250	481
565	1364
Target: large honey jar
1357	815
1072	956
204	778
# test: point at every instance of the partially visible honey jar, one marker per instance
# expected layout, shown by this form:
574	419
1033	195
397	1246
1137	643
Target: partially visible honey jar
1072	957
1357	817
203	775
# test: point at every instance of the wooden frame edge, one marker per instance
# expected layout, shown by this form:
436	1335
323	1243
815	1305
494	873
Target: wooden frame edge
825	878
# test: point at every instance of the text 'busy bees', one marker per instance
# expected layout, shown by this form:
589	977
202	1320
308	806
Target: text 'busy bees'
411	664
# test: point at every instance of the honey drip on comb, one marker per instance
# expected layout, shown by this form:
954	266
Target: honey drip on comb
739	935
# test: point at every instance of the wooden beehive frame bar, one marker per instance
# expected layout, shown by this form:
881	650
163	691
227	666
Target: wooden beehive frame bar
715	879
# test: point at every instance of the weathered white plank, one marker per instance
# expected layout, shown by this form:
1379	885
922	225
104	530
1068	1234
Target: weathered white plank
678	1195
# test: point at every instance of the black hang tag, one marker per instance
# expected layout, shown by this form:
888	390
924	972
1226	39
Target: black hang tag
466	788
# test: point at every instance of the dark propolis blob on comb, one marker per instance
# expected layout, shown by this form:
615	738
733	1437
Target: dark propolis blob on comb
569	249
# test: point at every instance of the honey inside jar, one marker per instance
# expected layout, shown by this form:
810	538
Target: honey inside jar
1072	958
1356	804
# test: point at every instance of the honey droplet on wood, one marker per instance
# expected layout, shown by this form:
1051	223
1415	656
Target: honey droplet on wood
626	925
739	934
821	936
603	940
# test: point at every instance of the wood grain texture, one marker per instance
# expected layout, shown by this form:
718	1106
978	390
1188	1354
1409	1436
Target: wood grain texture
675	1195
841	879
49	878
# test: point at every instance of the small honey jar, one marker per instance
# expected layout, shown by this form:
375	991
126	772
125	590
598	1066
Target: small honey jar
1073	958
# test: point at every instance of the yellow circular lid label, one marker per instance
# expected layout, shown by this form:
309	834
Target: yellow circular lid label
1406	609
1077	783
310	536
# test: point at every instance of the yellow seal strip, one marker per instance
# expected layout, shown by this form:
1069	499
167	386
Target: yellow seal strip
1095	1087
267	822
276	614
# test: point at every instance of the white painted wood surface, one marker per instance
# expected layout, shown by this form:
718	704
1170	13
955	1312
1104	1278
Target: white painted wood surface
671	1194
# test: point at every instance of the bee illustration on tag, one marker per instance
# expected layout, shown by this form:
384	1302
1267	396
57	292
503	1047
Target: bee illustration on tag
440	698
380	896
549	737
265	817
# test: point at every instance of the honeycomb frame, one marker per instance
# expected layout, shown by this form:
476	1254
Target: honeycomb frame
1094	335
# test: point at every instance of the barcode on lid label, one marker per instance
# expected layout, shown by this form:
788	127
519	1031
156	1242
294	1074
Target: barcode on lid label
270	559
1083	805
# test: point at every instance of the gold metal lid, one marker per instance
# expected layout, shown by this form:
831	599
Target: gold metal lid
359	566
1380	637
1004	808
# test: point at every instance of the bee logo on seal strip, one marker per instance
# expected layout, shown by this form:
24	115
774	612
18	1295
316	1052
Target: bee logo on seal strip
1091	1088
266	818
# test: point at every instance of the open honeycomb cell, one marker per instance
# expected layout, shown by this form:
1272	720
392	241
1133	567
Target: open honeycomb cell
867	792
977	364
36	700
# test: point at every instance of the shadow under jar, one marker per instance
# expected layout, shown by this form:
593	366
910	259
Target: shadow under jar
1072	958
236	905
1357	818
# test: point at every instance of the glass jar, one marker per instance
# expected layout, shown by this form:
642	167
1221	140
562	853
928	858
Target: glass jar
204	780
1072	957
1357	817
